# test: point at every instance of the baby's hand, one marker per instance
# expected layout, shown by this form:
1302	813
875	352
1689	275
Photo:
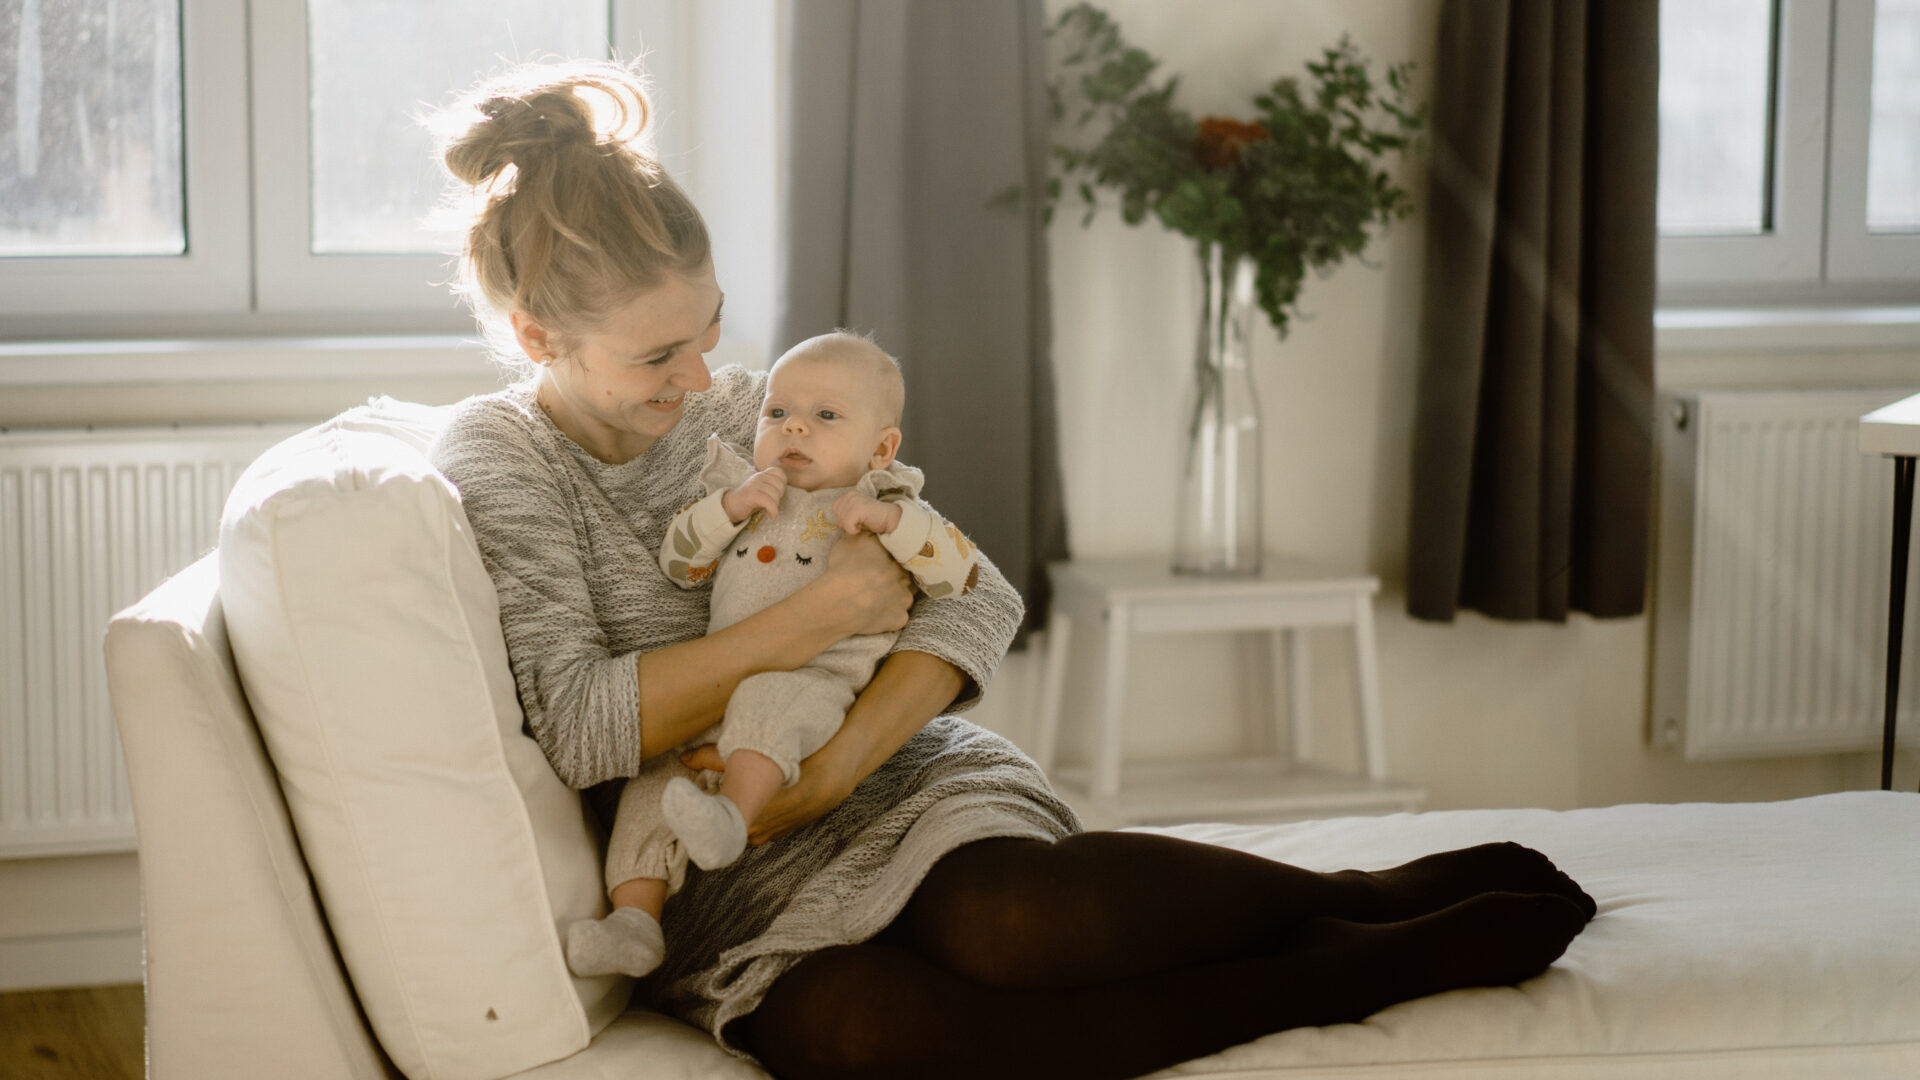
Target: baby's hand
858	510
762	491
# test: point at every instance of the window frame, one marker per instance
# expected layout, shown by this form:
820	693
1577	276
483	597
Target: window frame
289	276
1790	252
252	271
213	274
1819	250
1855	255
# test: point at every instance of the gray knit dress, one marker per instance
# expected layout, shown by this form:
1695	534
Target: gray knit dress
571	544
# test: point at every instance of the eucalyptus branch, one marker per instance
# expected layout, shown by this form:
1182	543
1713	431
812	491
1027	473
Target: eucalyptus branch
1301	186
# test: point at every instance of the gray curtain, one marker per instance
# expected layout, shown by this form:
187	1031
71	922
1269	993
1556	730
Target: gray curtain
906	118
1533	441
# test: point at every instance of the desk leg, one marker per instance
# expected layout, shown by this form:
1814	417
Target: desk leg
1052	683
1896	605
1106	748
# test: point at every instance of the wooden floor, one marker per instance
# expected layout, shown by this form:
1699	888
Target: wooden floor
86	1033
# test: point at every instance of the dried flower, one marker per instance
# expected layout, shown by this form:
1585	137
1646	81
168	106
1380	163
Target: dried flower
1220	139
1297	187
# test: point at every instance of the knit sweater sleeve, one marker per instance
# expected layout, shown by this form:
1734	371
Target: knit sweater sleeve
581	700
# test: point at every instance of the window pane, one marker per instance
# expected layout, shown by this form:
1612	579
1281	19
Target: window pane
1716	82
1893	140
90	160
374	178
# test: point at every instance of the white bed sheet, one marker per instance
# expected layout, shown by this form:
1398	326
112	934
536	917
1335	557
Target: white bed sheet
1750	940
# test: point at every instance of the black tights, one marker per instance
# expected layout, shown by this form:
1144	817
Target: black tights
1114	954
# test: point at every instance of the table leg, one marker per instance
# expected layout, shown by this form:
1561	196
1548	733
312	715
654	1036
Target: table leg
1896	605
1106	747
1052	684
1299	692
1366	679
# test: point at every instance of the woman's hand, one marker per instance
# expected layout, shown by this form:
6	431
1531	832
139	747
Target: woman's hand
823	785
867	591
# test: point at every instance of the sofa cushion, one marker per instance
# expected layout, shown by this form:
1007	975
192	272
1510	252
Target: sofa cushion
241	976
447	854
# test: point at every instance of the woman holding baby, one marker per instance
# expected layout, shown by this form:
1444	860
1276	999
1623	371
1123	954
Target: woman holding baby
916	901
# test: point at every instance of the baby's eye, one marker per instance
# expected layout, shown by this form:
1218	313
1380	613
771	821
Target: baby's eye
829	414
776	413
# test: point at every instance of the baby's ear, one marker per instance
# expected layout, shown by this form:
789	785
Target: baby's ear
884	453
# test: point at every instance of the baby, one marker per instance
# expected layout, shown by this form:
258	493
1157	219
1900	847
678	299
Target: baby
823	463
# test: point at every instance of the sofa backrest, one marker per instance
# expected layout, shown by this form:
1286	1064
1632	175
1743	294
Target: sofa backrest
241	974
447	855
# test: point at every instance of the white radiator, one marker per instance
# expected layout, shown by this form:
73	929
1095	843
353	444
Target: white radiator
1770	610
89	522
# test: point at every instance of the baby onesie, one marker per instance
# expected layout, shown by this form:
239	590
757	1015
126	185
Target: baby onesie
785	715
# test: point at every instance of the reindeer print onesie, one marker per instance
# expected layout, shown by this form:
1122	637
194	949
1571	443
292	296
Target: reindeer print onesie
785	715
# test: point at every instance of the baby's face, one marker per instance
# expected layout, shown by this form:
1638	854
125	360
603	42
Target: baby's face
824	422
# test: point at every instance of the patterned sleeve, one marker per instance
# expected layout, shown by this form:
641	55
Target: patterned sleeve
582	702
701	532
968	613
938	555
696	538
970	630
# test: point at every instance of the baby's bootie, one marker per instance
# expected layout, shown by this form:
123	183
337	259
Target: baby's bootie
710	827
627	942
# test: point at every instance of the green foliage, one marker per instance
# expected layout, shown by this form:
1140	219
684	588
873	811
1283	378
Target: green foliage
1297	188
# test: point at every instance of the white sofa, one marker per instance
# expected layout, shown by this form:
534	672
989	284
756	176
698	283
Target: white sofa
292	900
243	978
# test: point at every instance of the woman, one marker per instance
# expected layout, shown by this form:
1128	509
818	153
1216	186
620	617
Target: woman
930	907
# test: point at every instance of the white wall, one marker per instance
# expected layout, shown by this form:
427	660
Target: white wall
1480	713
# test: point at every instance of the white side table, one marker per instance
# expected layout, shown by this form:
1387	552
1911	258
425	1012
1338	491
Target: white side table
1119	599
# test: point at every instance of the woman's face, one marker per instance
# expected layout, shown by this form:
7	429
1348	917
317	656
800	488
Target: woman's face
625	385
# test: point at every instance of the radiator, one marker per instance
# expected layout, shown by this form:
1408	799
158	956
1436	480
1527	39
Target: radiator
1770	594
89	522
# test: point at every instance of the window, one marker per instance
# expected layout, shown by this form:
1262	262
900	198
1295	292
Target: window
255	164
109	182
1789	150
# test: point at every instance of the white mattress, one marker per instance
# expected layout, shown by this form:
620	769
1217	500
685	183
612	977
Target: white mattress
1752	940
1744	941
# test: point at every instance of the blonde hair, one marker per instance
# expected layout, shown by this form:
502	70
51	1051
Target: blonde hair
570	215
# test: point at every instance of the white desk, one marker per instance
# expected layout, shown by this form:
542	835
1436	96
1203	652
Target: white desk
1119	599
1894	431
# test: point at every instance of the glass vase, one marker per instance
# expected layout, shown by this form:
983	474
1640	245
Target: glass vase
1217	520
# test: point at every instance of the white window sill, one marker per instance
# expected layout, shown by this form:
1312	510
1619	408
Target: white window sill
1786	329
189	360
263	359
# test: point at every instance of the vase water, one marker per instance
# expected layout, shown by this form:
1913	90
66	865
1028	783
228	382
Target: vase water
1217	521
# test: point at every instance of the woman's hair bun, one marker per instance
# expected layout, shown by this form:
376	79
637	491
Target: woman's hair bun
535	114
566	213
